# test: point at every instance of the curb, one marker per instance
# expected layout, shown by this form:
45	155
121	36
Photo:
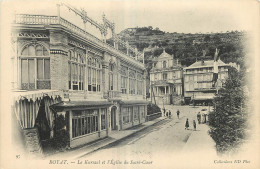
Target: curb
117	141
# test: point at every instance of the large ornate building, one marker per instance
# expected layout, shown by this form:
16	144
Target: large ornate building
166	80
200	85
61	72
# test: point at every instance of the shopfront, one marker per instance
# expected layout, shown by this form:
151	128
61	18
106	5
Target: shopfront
86	121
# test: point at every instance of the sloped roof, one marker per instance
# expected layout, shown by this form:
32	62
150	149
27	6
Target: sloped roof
206	63
165	55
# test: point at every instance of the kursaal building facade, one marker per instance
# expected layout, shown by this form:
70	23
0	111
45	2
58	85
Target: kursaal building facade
68	81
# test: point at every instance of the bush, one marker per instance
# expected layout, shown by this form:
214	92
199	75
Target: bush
152	108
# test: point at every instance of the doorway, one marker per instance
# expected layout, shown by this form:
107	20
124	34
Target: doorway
113	118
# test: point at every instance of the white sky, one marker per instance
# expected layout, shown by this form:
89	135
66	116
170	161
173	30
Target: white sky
188	16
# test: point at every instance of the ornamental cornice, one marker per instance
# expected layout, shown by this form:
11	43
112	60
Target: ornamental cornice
58	51
77	44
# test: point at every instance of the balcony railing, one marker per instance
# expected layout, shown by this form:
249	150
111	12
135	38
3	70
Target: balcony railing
54	20
114	94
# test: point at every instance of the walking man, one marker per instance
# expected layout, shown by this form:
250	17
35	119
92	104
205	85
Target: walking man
194	124
199	117
178	113
170	114
187	124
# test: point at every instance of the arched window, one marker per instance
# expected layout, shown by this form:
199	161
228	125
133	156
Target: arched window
164	64
77	64
35	67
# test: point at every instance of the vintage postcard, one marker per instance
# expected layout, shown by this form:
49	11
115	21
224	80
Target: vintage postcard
130	84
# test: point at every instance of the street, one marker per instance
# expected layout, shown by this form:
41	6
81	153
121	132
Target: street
166	137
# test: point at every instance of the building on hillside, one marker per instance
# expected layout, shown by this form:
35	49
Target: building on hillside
199	85
66	79
166	80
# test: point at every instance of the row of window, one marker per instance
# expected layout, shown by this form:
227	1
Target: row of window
86	122
204	77
132	113
134	80
165	76
194	86
35	72
206	69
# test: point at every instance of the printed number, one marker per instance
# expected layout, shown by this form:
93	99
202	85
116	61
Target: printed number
17	156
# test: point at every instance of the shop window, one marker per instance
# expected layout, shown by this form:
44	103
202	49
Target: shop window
136	114
84	122
103	119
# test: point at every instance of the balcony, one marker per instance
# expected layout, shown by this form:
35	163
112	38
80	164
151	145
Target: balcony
114	95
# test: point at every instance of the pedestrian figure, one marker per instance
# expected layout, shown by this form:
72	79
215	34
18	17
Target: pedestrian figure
199	117
167	114
178	113
170	113
164	111
187	124
204	118
194	124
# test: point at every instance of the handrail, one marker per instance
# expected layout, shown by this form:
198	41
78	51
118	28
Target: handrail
50	20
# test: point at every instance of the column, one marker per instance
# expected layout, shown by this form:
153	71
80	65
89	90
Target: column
59	60
99	122
105	75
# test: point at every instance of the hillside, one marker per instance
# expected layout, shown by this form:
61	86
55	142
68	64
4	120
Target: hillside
186	47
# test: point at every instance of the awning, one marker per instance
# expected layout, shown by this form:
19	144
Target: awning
203	98
79	105
134	102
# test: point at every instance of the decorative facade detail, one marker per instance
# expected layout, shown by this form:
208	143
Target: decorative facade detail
30	35
79	45
58	51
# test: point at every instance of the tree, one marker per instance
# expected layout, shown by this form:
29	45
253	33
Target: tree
228	122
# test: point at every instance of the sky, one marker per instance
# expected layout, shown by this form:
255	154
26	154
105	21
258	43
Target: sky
190	16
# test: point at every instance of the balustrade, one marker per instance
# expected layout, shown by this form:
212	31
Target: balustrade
112	94
48	20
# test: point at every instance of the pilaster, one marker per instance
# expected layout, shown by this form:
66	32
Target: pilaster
59	60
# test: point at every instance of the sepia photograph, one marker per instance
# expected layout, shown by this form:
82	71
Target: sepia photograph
130	84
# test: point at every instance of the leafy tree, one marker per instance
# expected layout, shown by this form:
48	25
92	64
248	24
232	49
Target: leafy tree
228	122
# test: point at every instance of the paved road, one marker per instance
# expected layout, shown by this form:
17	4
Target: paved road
166	137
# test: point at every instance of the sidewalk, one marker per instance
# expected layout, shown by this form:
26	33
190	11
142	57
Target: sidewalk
114	136
200	142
